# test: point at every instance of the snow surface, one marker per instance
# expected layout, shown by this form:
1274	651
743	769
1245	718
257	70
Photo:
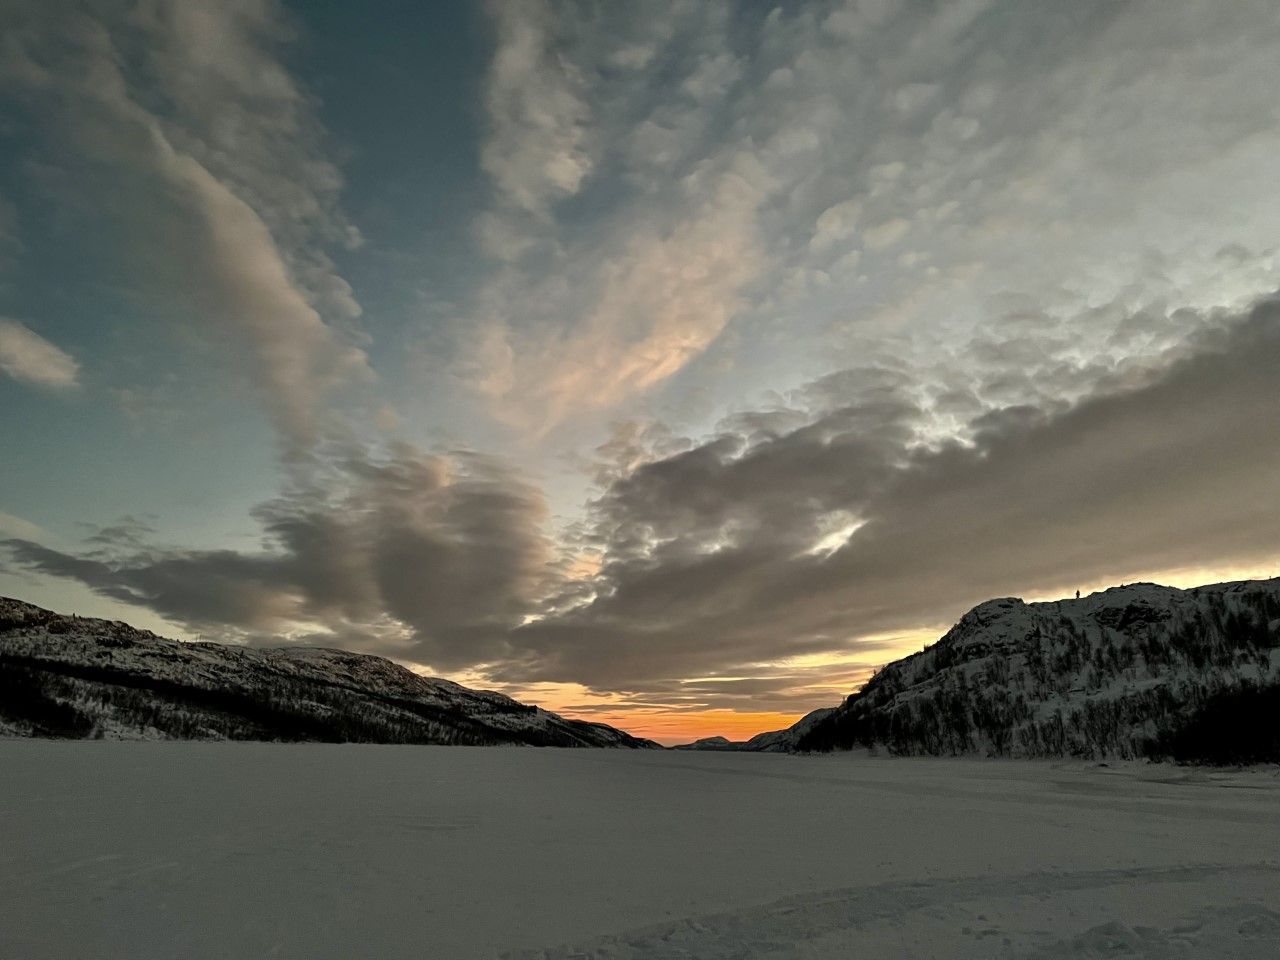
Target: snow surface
203	850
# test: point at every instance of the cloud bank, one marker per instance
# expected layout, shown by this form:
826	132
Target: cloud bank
724	554
791	534
432	557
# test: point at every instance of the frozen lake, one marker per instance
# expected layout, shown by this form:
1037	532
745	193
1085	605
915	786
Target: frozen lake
165	850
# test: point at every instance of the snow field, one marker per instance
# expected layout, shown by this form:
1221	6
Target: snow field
232	850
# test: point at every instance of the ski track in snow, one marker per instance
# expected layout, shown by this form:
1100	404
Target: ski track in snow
201	851
834	923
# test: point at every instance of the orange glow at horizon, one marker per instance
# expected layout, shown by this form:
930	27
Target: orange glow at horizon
668	728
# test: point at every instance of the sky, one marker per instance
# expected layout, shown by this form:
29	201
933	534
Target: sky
671	364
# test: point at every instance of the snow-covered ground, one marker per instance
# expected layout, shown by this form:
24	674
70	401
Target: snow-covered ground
232	850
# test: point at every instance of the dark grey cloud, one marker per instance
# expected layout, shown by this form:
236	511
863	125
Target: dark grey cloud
720	560
221	587
705	563
432	556
127	533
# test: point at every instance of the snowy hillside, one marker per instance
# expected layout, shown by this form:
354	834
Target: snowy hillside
1137	670
78	677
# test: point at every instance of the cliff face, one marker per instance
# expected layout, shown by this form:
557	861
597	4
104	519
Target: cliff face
78	677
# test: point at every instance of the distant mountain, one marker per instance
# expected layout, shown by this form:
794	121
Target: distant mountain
708	743
77	677
773	741
1135	671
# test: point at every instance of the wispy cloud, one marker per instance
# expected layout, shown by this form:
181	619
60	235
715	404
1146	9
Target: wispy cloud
910	166
230	155
653	308
30	358
566	324
12	526
537	150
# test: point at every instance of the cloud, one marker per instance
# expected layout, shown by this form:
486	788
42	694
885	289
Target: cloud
30	358
886	234
17	527
657	305
794	547
708	559
537	150
127	534
434	558
239	111
632	299
217	185
915	162
836	223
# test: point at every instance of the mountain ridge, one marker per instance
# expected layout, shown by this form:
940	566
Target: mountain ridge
770	741
77	677
1137	670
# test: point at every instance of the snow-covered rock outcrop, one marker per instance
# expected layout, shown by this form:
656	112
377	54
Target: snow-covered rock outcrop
1136	670
64	676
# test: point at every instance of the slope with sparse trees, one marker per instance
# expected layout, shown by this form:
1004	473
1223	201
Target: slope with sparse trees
78	677
1135	671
